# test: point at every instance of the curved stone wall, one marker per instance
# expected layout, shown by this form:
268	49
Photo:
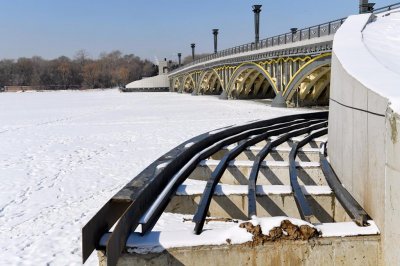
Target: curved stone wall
364	144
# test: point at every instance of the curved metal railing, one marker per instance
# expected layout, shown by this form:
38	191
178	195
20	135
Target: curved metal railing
144	199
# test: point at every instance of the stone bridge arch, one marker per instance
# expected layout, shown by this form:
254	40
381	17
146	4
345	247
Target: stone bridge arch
310	84
210	83
251	81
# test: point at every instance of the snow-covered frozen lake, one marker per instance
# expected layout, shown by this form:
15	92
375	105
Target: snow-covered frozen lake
64	154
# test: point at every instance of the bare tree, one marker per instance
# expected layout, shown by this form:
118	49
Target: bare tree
109	70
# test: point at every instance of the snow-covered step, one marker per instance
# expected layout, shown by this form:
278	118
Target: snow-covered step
271	172
288	144
231	201
277	154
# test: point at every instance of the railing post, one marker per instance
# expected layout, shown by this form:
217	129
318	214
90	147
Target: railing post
329	28
319	30
309	33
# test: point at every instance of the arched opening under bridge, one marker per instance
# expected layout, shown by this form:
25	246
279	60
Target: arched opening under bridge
311	84
188	84
251	81
210	83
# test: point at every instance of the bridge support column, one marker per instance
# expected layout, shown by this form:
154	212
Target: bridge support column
279	101
226	77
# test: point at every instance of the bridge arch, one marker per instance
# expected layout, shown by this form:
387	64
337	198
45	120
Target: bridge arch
188	85
177	84
311	82
210	83
250	80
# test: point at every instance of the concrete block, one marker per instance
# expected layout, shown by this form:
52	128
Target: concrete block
360	96
360	155
345	252
392	217
347	151
333	136
377	103
392	192
322	251
374	195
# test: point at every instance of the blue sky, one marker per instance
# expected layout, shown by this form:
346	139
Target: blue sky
50	28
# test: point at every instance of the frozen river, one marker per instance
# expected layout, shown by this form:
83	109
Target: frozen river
64	154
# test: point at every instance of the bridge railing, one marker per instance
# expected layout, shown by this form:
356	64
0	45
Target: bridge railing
312	32
387	8
317	31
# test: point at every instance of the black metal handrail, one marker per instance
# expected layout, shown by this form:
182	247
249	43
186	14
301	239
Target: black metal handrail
252	210
151	217
316	31
301	201
130	204
350	205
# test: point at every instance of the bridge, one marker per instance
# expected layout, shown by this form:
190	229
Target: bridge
293	68
275	68
342	195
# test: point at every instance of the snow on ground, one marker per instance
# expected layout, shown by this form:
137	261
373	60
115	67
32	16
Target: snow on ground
64	154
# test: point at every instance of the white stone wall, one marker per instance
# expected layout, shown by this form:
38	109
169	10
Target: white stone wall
160	81
364	146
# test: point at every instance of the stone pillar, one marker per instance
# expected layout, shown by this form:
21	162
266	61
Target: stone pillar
215	33
179	59
293	31
193	46
366	7
257	11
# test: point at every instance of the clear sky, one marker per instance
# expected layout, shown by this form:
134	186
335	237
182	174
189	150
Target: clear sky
51	28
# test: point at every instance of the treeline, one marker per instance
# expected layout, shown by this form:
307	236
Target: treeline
109	70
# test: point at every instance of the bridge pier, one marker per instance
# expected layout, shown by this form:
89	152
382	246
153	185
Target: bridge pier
279	101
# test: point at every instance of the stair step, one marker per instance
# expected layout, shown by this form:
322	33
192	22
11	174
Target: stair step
231	201
271	172
277	154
